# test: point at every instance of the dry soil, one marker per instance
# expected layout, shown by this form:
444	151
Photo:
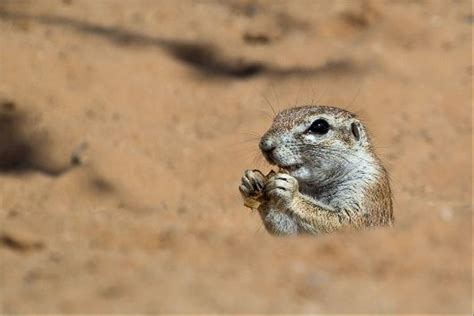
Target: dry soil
125	127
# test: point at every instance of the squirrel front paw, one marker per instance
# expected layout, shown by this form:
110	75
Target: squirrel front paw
251	187
281	189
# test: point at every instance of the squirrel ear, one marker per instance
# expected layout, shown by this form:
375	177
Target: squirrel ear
355	130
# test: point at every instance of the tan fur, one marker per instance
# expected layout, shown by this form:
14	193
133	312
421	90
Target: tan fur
326	181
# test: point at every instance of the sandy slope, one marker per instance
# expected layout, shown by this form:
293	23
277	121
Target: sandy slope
163	103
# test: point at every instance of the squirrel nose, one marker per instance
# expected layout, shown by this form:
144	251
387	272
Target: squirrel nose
266	145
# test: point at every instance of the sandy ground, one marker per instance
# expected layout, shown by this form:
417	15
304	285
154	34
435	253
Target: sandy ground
160	105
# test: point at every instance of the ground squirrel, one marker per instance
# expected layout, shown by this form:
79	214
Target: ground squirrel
329	176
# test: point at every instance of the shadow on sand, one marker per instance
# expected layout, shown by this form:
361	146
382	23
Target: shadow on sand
207	59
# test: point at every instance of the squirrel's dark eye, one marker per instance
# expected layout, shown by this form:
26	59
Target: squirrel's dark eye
319	126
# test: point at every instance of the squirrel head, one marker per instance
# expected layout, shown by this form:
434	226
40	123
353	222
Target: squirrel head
317	143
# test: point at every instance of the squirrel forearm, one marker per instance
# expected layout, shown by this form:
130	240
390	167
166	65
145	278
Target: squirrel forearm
316	217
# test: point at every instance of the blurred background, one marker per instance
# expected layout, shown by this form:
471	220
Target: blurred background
125	127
